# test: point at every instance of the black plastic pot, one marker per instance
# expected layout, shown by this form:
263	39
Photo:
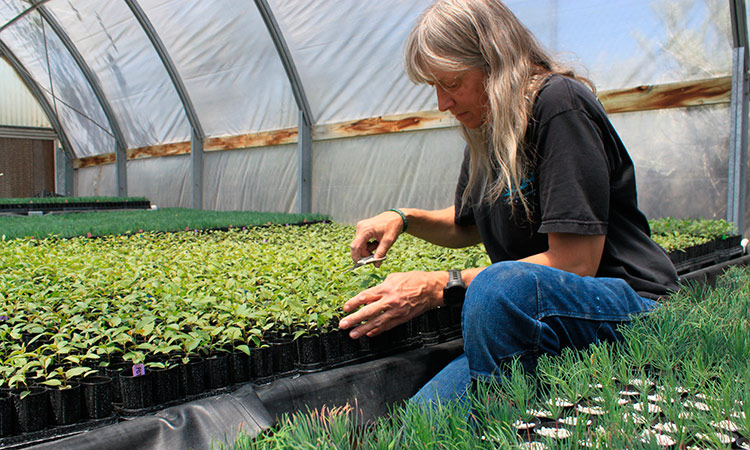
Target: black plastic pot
217	371
66	404
113	371
349	346
193	376
331	346
429	326
365	345
32	411
309	352
239	367
6	414
165	384
136	391
262	363
284	355
97	396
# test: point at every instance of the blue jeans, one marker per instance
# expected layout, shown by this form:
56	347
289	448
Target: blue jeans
521	310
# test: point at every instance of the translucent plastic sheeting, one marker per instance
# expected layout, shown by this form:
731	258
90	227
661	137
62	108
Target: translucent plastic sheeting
97	181
68	93
681	159
626	43
257	179
132	76
359	177
166	181
349	54
228	62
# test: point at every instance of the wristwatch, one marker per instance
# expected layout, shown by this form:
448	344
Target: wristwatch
455	290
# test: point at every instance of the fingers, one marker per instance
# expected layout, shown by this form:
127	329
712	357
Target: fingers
376	234
371	320
362	246
360	299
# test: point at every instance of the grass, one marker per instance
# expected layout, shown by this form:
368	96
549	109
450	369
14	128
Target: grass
687	362
106	223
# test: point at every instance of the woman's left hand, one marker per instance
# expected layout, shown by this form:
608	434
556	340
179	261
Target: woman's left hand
397	299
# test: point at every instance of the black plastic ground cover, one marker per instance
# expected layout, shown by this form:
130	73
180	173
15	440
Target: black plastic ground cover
72	206
708	275
369	386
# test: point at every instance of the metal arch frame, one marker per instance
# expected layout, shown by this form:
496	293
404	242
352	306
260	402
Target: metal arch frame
737	182
38	94
196	133
121	147
306	119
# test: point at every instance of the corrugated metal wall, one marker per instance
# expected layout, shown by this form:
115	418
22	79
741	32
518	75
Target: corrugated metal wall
17	107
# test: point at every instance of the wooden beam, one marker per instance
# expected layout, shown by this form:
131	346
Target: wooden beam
641	98
673	95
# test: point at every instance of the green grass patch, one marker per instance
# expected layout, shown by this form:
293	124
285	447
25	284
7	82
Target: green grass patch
104	223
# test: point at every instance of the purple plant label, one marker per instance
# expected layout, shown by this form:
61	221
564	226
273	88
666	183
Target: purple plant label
139	370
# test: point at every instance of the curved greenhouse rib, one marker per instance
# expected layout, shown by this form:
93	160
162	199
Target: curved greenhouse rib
38	94
196	135
306	119
286	59
120	153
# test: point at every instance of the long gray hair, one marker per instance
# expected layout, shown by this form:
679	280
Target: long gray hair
456	35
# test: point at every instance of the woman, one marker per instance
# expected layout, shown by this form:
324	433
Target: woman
546	185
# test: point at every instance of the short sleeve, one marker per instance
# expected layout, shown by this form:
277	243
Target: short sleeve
573	175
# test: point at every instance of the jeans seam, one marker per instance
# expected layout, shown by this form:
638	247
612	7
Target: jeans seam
538	321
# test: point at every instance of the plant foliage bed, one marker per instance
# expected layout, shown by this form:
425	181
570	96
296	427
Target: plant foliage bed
214	308
680	379
105	223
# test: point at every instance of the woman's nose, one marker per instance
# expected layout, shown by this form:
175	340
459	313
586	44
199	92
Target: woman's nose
445	101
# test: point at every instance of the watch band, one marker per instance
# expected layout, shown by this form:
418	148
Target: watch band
454	276
455	290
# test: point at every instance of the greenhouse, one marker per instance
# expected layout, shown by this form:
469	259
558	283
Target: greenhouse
180	183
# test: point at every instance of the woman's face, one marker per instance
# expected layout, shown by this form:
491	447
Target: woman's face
463	94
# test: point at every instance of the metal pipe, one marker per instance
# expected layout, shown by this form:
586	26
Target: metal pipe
305	118
737	184
196	136
120	146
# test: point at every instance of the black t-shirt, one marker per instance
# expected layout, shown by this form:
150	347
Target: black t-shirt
581	181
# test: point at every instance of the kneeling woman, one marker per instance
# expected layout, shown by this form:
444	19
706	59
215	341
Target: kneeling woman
546	185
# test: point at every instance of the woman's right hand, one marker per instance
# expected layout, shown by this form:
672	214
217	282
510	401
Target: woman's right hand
376	235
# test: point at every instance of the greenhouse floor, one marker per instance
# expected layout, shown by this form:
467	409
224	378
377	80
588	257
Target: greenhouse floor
370	387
